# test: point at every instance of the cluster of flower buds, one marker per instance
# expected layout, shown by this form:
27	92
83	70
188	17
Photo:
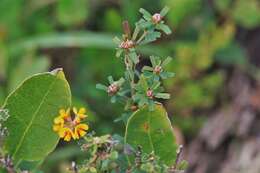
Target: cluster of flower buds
157	69
112	89
156	18
149	93
127	44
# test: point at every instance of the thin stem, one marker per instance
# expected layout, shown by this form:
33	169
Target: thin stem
178	156
142	37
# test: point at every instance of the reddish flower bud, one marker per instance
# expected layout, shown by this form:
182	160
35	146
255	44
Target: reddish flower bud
157	69
127	44
149	93
112	89
156	18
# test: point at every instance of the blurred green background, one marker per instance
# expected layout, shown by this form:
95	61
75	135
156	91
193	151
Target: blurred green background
209	39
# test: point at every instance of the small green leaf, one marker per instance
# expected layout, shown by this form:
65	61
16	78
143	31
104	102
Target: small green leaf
134	57
116	40
32	108
120	81
155	60
110	79
146	14
147	68
119	52
165	75
166	61
151	36
136	32
153	131
164	11
101	87
156	85
164	28
162	95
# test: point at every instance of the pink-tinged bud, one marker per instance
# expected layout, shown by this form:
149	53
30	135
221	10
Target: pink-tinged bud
156	18
127	44
149	93
157	69
112	89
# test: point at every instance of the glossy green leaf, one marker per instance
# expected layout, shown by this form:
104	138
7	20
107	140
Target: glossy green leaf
32	108
153	131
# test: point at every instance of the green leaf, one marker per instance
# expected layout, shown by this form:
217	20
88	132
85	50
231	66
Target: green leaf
164	11
166	61
153	131
164	28
143	83
165	75
110	79
32	108
145	13
101	87
134	57
116	40
147	68
119	52
151	36
162	95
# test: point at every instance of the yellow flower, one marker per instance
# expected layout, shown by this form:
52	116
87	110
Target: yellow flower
80	130
79	115
66	133
59	121
70	127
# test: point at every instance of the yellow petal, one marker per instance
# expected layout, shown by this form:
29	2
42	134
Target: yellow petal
56	128
82	126
64	131
67	137
81	116
58	120
62	112
82	111
68	111
75	134
77	119
75	111
81	132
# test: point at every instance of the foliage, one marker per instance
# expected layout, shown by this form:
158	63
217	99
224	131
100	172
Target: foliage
32	107
152	131
38	35
33	104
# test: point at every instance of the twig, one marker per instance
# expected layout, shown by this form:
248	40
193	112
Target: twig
179	151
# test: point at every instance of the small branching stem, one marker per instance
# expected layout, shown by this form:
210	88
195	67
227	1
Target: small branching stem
142	37
179	151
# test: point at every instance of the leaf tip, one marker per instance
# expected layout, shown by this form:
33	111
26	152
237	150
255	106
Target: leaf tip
58	72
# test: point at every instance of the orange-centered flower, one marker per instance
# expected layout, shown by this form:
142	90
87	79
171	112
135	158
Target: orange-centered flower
69	126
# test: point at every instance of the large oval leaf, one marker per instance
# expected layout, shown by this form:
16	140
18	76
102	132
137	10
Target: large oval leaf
153	131
32	108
